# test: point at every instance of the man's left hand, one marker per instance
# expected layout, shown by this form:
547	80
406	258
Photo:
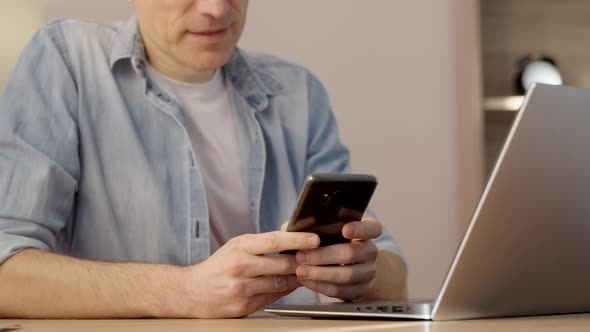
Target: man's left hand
345	271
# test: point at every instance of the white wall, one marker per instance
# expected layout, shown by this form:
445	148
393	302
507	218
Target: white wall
404	81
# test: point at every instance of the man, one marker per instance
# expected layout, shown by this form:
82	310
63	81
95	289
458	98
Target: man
129	153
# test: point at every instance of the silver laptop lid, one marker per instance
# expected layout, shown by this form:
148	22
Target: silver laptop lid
527	248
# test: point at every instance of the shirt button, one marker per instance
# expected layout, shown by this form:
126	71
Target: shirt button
253	100
138	64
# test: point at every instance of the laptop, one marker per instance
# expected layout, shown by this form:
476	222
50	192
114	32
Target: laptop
527	248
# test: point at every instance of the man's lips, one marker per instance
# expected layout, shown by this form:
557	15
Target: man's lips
211	36
209	32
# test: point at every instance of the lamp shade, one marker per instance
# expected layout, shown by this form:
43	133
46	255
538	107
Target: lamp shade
536	70
540	71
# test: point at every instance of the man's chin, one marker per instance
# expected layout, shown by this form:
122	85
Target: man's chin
206	60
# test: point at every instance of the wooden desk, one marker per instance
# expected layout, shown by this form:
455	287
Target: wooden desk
264	322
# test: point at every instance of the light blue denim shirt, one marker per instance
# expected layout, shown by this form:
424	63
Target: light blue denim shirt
96	162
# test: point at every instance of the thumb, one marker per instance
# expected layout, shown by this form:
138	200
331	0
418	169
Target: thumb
284	226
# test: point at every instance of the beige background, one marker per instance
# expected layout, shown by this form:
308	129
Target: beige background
404	79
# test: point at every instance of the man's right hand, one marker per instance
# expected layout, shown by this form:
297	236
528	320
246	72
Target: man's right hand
238	279
234	282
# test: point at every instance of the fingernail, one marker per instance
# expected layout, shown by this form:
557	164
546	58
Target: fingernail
301	257
313	241
349	233
303	271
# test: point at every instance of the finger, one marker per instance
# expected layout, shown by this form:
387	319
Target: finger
272	265
343	253
284	226
340	274
342	292
266	243
367	229
271	284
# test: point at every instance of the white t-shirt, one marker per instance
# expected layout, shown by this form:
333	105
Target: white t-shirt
210	122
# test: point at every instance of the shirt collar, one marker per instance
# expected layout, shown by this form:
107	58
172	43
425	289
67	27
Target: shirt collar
127	44
251	83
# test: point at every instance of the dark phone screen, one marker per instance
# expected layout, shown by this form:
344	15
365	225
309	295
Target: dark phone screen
328	201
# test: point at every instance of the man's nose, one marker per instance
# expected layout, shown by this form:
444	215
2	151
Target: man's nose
215	8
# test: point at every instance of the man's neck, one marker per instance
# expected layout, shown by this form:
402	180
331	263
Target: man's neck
183	74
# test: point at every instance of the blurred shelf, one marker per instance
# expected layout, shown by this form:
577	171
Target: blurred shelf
503	104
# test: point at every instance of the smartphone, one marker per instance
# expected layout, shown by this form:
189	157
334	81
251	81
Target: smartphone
330	200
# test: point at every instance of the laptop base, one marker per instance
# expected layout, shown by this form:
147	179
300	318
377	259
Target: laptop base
406	309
